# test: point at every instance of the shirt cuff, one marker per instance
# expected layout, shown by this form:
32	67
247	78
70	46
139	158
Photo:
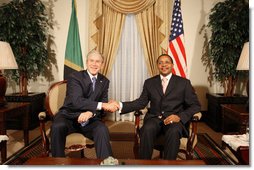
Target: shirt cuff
99	106
121	106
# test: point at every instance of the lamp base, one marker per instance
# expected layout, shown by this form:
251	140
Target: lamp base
3	86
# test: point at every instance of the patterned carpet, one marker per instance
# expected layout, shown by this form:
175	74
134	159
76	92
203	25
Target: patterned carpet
206	149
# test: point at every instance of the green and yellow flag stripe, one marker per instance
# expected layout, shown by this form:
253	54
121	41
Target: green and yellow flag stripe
73	54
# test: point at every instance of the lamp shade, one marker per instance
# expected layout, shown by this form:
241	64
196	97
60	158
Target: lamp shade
7	59
243	63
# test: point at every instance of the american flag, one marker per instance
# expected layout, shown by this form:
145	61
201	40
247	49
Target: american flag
176	42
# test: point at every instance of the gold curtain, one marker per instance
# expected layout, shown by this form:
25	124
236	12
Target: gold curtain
106	19
110	34
153	25
129	6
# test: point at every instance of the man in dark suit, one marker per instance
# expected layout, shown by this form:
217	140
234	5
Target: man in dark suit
169	110
82	109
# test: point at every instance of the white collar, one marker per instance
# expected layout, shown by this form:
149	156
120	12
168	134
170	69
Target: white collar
91	76
168	76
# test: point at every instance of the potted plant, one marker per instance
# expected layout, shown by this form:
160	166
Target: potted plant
229	25
24	24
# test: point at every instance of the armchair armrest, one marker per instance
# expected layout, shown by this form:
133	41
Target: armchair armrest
194	121
137	115
197	116
3	138
42	115
192	141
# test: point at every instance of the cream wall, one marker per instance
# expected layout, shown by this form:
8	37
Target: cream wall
195	14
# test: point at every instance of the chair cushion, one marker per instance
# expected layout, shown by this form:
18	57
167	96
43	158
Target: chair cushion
75	139
183	143
122	126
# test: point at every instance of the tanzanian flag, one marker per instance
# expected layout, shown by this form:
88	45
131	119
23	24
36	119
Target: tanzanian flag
73	55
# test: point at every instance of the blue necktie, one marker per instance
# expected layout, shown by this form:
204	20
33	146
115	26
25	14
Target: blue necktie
94	81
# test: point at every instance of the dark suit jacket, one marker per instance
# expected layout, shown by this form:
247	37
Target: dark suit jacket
179	99
80	96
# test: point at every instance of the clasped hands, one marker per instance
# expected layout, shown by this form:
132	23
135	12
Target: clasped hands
111	106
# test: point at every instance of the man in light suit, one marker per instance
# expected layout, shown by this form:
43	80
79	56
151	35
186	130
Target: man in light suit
169	110
83	108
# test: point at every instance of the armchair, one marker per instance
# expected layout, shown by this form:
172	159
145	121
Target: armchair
54	100
187	143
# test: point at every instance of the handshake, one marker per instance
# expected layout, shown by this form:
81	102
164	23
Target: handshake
111	106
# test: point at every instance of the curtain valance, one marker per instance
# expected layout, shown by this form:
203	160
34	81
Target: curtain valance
106	20
129	6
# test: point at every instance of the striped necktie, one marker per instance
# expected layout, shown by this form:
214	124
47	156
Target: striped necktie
94	81
164	84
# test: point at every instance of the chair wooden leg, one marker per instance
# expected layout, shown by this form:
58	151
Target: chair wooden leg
189	154
189	157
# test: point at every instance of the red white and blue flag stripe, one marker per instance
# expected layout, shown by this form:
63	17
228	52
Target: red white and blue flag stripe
176	47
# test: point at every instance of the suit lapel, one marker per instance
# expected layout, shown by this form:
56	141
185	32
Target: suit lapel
98	84
86	77
98	87
88	83
158	85
170	86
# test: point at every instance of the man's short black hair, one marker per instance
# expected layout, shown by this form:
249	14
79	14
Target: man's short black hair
167	56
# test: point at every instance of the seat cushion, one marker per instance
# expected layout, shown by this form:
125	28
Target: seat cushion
77	138
122	126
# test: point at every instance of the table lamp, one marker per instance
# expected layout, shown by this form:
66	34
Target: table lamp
243	64
7	61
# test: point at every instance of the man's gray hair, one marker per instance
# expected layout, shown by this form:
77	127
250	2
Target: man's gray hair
94	52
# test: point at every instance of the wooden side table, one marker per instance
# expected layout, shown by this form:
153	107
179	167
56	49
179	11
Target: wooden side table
13	110
36	101
214	110
234	118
